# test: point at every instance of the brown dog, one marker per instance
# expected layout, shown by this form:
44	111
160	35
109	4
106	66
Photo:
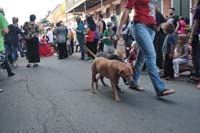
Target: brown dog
111	69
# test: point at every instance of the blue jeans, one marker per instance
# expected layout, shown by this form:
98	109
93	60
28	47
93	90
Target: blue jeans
144	37
82	48
14	50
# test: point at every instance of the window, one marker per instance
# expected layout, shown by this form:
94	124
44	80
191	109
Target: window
118	9
107	12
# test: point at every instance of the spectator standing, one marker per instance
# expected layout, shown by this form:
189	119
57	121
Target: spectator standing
168	51
61	39
89	36
51	39
173	19
71	38
195	41
31	30
159	38
108	38
182	28
12	41
80	36
4	30
101	27
144	35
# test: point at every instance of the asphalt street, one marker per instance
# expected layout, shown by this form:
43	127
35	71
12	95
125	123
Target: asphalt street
56	98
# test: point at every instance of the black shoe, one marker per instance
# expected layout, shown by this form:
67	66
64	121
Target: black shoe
11	74
35	65
28	65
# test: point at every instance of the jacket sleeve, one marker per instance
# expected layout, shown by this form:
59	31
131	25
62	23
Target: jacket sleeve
130	4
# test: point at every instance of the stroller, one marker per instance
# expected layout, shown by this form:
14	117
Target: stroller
132	53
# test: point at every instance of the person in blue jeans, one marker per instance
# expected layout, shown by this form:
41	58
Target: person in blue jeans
144	33
80	36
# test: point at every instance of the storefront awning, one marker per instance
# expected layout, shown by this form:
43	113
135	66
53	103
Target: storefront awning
83	5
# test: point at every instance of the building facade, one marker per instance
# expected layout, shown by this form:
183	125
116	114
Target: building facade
71	8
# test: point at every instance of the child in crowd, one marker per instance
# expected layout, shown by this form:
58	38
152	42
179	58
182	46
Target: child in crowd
108	39
181	53
168	50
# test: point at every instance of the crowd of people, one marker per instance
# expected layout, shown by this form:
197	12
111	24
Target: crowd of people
168	45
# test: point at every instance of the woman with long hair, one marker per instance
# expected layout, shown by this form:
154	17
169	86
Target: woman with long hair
89	36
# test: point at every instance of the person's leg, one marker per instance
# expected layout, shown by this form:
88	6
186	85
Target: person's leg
196	56
7	66
89	46
82	48
176	63
169	68
14	55
106	48
147	52
72	45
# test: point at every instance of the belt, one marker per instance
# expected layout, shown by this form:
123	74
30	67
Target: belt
151	26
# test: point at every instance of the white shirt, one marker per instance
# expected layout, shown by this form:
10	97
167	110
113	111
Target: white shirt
50	36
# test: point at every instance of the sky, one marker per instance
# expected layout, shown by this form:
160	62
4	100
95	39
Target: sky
24	8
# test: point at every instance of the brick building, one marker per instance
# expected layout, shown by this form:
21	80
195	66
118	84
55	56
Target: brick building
109	7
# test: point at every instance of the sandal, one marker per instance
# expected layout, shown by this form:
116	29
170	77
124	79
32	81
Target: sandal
137	88
166	92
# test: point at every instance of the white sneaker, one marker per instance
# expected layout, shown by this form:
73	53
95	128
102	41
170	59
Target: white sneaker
1	90
176	75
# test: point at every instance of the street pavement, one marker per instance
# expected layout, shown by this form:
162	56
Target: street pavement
56	98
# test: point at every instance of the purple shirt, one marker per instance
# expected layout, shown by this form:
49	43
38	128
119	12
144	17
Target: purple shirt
197	16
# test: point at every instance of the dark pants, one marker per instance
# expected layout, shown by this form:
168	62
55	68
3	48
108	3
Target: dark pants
62	49
158	43
93	47
101	46
33	55
72	45
168	66
196	55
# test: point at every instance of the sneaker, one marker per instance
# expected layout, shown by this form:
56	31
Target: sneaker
15	65
1	90
28	65
91	60
11	74
198	86
176	75
35	65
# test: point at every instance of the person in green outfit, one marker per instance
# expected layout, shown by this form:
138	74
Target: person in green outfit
4	30
109	38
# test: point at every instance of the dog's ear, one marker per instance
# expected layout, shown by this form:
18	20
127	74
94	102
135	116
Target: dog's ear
121	71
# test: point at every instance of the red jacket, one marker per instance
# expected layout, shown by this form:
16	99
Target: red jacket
144	10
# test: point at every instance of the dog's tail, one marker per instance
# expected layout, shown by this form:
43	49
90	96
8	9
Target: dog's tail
91	52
